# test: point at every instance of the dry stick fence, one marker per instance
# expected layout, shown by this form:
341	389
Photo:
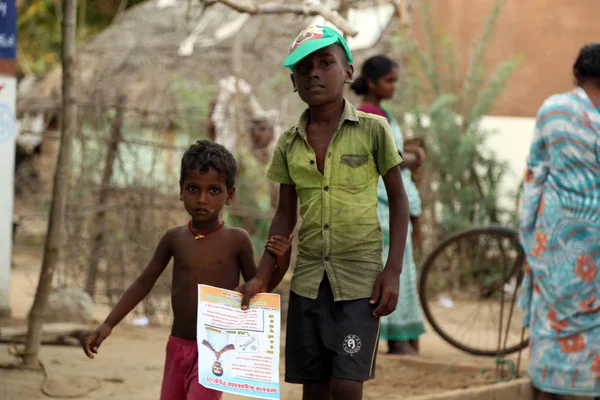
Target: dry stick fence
122	198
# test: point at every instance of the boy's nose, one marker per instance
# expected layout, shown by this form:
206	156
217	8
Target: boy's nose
202	197
313	73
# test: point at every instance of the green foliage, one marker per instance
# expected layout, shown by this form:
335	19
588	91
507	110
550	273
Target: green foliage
38	42
446	108
39	29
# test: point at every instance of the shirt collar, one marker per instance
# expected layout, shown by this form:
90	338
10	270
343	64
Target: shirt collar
348	114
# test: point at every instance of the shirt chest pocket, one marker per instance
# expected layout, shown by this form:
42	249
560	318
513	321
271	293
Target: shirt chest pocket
354	171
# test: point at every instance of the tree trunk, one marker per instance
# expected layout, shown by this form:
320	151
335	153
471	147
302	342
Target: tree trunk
313	8
99	219
54	236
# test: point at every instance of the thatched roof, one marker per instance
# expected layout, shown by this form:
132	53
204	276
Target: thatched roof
138	55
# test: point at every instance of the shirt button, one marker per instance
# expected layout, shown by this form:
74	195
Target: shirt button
325	258
326	188
326	226
312	161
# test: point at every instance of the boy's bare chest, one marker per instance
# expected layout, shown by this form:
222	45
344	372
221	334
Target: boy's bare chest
205	263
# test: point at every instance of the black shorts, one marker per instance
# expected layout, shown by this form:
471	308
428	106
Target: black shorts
330	339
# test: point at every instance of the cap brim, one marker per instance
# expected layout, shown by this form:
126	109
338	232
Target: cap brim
307	48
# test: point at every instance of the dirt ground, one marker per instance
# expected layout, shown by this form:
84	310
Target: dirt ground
130	362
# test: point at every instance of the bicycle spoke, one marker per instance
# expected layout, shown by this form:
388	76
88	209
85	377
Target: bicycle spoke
465	293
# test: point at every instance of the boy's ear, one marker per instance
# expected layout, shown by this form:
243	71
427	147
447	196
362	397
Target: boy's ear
349	72
230	196
180	192
294	88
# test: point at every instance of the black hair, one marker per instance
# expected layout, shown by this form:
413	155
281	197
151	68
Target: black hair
204	155
587	65
373	69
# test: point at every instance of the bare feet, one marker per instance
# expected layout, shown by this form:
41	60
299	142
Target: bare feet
402	347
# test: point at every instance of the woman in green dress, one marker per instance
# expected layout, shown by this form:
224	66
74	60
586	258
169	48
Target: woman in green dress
403	327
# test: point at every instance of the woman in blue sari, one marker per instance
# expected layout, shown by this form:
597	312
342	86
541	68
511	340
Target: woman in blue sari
403	327
560	233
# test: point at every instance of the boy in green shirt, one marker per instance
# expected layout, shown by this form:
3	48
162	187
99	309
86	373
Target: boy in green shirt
331	162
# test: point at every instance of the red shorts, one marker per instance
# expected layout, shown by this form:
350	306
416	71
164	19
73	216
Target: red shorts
180	380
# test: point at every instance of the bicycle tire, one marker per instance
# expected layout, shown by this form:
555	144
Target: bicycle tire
427	266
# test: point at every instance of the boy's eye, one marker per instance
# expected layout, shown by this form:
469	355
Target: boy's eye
326	62
192	188
215	190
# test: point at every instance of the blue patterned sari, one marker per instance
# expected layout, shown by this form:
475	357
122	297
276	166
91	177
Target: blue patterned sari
560	232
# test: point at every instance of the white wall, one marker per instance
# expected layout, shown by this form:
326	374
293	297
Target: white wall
511	144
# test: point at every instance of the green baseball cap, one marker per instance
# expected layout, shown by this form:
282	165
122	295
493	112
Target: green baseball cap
311	39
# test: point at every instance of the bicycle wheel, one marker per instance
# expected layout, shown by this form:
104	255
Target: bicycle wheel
468	288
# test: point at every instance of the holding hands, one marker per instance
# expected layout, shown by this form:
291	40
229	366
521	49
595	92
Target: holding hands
280	247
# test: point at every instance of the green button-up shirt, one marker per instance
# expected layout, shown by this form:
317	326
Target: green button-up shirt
340	231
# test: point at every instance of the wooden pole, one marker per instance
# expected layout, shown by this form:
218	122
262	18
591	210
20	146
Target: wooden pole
54	236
